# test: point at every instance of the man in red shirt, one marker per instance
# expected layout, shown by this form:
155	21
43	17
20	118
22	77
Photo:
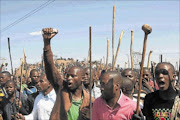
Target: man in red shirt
113	104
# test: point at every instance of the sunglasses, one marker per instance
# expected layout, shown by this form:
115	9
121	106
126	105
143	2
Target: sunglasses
161	71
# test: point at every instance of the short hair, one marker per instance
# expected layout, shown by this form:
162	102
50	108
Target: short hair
145	68
167	63
127	84
128	69
7	73
116	76
33	70
81	70
11	81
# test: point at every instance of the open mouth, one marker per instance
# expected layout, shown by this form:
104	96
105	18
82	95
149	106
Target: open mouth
69	84
9	92
161	84
38	88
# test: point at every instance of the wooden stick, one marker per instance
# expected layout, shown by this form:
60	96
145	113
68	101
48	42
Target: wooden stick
20	83
179	74
10	55
125	64
104	60
153	73
131	49
25	66
147	29
90	71
113	37
107	53
117	51
149	58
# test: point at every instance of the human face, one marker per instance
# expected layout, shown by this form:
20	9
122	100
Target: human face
10	88
130	74
74	78
34	76
42	84
164	75
146	75
3	78
107	87
86	80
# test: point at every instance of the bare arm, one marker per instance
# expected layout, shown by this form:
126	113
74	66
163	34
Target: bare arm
51	71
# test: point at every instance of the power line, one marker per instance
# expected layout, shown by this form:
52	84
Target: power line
27	15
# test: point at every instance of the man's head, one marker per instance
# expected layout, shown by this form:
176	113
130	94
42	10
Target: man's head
4	77
165	75
129	73
34	74
10	87
86	80
43	85
110	84
65	72
75	77
127	86
146	74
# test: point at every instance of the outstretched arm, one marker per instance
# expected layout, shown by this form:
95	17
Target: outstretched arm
51	71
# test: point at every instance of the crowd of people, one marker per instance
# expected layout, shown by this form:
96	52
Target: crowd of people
78	92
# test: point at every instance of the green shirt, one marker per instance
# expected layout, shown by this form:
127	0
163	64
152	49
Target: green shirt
73	112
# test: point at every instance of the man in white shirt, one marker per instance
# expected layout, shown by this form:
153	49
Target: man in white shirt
95	92
44	102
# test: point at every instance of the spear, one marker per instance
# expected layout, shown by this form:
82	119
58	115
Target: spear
90	70
131	49
107	53
20	83
10	55
113	37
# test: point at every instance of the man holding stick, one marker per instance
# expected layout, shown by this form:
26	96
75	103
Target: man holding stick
159	104
72	101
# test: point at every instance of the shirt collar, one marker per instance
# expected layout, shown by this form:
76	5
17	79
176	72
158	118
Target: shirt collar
50	94
121	99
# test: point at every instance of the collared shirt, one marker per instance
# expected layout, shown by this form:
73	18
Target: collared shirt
96	91
42	106
124	110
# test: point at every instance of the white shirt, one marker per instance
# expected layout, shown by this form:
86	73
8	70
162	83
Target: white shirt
96	92
42	107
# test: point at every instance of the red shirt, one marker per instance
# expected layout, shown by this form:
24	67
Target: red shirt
152	84
124	110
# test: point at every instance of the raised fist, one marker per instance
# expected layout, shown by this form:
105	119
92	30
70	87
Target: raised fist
49	33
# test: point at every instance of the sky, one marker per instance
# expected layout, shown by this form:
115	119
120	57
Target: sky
73	19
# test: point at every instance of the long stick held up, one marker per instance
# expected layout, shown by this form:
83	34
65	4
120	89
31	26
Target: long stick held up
131	49
20	83
90	70
147	30
107	53
113	37
10	55
149	58
117	51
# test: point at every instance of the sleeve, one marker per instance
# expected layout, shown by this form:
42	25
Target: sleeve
51	71
95	110
34	113
147	109
24	109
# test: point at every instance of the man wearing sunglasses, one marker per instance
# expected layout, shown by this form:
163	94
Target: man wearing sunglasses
158	105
